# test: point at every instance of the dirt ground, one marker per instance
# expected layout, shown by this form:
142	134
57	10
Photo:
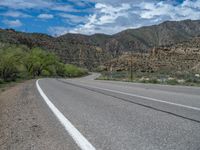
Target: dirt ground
26	123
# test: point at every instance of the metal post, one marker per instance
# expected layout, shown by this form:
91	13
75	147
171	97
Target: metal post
131	69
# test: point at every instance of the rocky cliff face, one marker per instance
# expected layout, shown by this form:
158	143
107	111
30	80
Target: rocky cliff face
179	57
184	56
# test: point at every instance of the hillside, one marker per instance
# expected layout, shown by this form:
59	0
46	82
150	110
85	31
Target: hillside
71	48
90	51
179	57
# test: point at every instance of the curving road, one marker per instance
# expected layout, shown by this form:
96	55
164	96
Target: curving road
126	116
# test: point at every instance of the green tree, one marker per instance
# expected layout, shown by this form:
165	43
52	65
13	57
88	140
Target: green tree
10	62
18	61
38	60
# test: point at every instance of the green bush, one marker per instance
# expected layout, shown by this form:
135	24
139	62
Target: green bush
153	81
38	60
60	69
100	68
10	62
1	81
73	71
172	82
193	80
24	63
46	73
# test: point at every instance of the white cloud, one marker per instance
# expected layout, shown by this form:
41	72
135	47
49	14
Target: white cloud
15	14
114	16
108	13
45	16
74	19
117	2
37	4
81	3
105	16
103	19
24	4
191	4
186	10
64	8
13	23
104	29
58	30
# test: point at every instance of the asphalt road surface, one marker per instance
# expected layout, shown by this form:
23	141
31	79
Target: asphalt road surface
110	115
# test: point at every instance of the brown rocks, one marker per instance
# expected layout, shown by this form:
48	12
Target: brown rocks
183	56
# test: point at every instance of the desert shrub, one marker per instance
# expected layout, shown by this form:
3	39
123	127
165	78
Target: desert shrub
100	68
45	73
22	62
60	69
172	82
193	79
73	71
1	81
10	63
153	81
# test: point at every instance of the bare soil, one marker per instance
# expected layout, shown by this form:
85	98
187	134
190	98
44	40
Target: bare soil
26	123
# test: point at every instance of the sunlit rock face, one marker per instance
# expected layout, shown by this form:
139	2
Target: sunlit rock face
184	56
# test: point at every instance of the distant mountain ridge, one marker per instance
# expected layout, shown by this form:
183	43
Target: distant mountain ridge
92	50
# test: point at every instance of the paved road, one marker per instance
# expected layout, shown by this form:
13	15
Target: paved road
127	116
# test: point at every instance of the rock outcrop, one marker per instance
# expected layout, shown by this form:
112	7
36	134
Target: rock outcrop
184	56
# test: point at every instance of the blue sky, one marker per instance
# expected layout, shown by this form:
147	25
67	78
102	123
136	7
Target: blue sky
57	17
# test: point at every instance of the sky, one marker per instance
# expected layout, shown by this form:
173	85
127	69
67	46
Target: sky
58	17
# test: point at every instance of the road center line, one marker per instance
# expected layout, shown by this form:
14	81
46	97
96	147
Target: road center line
80	140
142	97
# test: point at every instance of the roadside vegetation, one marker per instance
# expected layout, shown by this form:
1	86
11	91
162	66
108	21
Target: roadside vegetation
18	62
170	78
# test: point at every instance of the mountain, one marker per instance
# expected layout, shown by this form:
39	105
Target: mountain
179	57
90	51
166	33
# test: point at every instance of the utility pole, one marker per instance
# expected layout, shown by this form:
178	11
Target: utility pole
131	66
80	57
110	67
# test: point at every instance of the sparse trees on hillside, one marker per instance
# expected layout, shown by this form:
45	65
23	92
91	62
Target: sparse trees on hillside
22	62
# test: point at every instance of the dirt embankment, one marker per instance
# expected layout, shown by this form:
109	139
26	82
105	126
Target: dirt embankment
26	123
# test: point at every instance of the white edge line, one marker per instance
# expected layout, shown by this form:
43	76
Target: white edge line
80	140
144	97
156	100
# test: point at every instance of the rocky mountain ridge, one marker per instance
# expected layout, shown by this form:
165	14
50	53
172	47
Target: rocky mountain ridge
183	56
94	50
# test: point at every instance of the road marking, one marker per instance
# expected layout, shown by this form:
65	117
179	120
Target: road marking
142	97
80	140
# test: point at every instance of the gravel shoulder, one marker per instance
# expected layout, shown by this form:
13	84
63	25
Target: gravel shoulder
27	123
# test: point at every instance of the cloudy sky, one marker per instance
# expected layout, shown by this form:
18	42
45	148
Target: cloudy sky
57	17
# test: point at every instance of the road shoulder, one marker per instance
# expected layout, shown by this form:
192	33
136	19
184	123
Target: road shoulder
27	123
